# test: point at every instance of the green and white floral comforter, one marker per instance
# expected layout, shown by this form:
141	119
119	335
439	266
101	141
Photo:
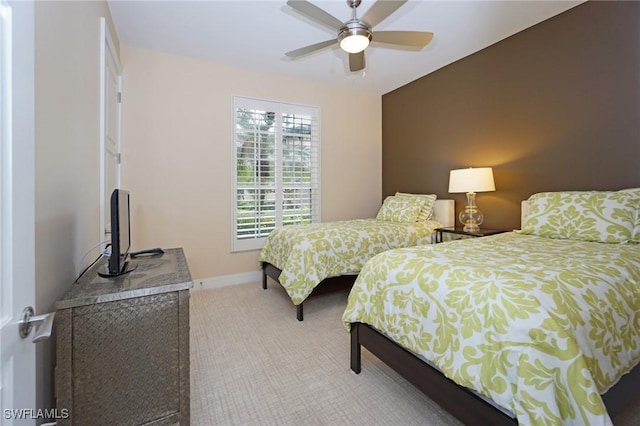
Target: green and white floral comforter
307	254
540	326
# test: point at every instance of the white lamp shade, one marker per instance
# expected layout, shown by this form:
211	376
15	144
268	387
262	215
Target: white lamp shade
471	180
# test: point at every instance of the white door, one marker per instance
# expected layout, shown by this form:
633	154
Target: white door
110	123
17	186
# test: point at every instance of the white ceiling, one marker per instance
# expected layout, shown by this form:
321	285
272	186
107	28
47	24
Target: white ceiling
256	35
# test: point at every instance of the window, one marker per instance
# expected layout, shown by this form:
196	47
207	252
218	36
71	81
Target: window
276	168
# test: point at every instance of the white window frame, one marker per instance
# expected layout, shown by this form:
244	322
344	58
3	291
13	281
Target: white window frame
280	108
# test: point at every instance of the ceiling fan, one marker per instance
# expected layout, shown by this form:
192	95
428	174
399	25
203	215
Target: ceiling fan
355	35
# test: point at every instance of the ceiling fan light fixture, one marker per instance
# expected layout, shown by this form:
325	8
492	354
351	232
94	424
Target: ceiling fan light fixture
355	35
354	43
354	38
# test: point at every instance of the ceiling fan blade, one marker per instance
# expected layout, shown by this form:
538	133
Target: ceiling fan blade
403	38
380	11
311	48
356	61
314	12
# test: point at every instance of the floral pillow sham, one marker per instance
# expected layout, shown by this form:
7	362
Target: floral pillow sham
599	216
635	194
426	213
400	209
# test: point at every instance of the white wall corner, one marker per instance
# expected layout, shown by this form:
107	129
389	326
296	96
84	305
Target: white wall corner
228	280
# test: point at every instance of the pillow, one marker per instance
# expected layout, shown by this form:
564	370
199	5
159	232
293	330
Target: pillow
400	209
634	193
427	209
602	216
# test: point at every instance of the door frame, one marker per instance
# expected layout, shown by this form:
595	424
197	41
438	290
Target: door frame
17	239
108	53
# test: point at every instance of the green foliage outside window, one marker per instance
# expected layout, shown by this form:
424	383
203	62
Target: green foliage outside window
256	172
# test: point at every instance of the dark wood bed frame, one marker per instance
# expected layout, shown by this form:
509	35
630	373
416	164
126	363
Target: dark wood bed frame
463	404
327	285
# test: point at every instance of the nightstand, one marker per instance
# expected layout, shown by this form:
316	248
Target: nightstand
459	230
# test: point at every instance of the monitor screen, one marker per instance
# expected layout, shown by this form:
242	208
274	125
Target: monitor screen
120	234
124	233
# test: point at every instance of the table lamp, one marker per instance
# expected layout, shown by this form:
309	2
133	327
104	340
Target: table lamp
471	180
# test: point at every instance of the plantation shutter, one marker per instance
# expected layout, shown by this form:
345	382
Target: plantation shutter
276	169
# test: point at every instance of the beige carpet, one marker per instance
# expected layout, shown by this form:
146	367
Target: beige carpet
253	363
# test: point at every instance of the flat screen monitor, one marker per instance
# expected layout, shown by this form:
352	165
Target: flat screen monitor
120	235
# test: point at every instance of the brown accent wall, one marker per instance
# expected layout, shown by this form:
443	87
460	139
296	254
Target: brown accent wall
554	107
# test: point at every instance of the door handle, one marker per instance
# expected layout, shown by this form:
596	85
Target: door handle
43	324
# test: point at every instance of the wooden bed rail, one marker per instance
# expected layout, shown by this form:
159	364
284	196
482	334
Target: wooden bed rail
466	406
463	404
327	285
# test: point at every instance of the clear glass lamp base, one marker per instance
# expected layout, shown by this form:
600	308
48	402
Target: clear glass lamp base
471	217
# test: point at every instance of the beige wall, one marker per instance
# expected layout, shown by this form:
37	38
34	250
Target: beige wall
177	158
67	138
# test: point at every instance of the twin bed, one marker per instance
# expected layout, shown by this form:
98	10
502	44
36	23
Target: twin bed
302	257
537	326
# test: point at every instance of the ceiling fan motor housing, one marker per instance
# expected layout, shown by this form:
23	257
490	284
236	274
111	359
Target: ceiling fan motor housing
354	27
355	36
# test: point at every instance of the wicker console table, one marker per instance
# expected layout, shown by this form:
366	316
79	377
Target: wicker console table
122	345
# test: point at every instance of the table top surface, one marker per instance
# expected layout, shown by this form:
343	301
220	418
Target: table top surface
482	232
155	274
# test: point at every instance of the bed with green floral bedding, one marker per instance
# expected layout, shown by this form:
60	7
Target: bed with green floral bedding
540	321
301	257
308	254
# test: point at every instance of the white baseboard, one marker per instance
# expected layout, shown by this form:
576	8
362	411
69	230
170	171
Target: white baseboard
227	280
